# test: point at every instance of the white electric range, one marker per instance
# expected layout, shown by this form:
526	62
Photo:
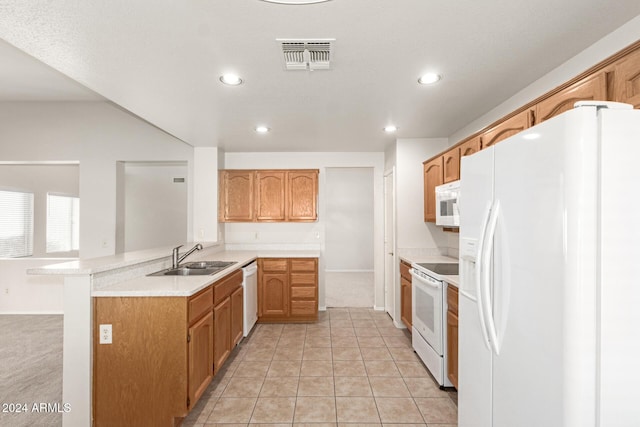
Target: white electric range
429	319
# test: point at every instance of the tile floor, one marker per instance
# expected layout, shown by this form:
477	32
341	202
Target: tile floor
351	367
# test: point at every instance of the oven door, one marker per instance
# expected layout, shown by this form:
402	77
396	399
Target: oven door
427	308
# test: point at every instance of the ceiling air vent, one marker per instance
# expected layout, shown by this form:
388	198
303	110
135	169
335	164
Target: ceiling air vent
306	54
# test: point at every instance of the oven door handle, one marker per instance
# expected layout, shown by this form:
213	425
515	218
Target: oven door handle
435	284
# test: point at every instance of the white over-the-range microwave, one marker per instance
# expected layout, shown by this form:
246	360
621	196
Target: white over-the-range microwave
447	213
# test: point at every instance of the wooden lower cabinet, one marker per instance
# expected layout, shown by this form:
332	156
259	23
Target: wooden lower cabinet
163	354
287	289
405	295
200	340
222	333
237	316
452	335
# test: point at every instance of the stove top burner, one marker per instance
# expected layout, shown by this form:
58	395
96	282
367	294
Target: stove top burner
448	269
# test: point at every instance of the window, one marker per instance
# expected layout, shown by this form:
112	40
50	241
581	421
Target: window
63	223
16	224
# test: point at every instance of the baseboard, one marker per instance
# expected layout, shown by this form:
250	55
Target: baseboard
322	308
399	325
376	308
31	313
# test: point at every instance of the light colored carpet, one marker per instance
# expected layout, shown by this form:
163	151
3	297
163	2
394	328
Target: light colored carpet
31	369
349	289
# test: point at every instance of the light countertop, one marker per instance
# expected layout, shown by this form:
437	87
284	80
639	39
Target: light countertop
184	286
451	279
143	285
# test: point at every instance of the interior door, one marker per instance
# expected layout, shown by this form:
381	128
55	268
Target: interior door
389	244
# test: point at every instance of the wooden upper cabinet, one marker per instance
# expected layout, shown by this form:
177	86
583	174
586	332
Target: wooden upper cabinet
302	195
470	147
627	79
590	88
507	128
451	164
270	195
433	177
236	195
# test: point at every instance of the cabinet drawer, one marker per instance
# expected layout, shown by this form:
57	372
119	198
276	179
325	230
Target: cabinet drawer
303	264
298	292
404	270
200	304
452	299
304	308
308	279
223	287
274	265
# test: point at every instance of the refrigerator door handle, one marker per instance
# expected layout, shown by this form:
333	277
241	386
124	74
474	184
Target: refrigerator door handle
486	279
478	273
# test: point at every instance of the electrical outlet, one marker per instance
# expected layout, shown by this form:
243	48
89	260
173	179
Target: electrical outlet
6	291
104	243
106	335
257	236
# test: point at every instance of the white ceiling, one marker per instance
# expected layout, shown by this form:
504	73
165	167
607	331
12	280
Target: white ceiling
161	60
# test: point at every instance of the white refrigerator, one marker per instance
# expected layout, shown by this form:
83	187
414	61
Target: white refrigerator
549	310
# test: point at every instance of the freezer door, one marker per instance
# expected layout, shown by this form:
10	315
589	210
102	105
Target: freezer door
474	356
544	274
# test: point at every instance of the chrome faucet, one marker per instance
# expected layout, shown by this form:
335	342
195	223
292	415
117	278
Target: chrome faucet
176	260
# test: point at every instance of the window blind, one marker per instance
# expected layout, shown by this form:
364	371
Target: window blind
16	224
63	223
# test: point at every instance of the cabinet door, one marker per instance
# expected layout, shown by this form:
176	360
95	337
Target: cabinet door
200	357
627	79
405	301
452	348
236	316
270	195
302	195
222	333
236	196
470	147
274	295
451	164
590	88
432	178
507	128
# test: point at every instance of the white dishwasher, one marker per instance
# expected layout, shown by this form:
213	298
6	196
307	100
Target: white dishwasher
250	296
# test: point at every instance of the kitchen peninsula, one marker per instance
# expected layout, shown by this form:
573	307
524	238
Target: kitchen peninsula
124	277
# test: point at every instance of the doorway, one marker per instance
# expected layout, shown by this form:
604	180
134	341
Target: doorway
349	277
389	244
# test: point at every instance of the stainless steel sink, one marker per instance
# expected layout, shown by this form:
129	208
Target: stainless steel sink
201	268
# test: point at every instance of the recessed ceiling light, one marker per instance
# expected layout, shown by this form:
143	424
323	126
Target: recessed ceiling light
295	1
429	78
262	129
231	79
390	129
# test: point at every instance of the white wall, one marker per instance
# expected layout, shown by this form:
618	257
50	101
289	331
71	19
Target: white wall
412	231
96	135
22	294
309	235
155	206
